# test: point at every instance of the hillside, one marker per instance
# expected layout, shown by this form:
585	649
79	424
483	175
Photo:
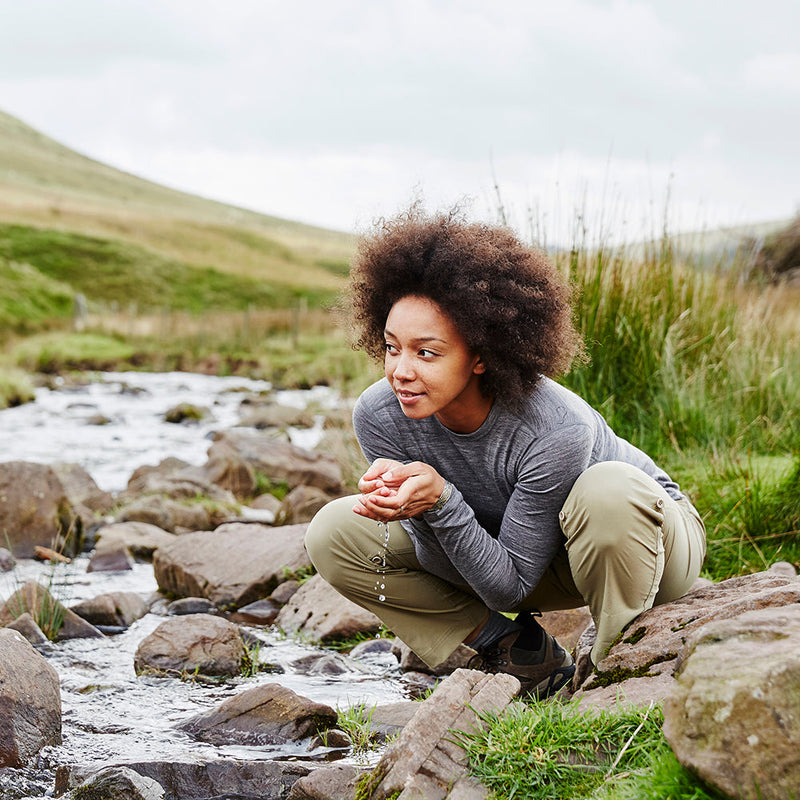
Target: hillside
48	187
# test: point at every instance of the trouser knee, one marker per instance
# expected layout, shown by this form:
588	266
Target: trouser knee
324	539
611	500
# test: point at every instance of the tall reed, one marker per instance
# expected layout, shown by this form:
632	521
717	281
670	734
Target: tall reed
682	358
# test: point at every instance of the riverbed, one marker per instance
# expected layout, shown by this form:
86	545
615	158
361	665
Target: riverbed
109	714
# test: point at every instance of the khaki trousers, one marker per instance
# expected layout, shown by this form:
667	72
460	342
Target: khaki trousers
627	546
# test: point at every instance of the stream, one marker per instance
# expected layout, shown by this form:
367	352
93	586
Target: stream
110	715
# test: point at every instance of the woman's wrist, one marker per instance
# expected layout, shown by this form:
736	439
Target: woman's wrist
443	497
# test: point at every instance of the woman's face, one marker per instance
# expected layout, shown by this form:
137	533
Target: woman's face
430	367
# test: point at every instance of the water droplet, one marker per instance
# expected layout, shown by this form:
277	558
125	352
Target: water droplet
381	597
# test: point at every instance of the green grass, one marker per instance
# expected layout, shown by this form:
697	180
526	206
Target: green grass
683	359
553	751
113	271
57	352
15	388
29	298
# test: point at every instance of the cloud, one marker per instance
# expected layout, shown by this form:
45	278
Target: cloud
774	73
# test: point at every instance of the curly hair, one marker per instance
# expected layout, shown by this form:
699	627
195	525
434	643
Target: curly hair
506	299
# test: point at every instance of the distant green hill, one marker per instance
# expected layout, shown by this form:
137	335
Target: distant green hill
86	227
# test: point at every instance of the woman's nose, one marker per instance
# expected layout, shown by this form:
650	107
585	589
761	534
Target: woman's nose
404	367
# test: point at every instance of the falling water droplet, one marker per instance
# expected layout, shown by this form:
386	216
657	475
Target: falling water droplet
381	597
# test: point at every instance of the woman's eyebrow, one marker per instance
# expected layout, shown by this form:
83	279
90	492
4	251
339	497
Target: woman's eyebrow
418	339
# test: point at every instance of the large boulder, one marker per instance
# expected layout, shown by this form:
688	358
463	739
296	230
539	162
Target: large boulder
734	716
30	701
233	565
35	509
317	610
278	461
195	643
265	715
82	490
639	666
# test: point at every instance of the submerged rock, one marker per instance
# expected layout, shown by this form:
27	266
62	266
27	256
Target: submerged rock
30	701
265	715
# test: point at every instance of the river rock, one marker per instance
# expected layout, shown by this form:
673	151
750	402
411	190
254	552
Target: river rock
110	558
30	701
266	502
7	560
566	625
190	605
411	662
118	783
199	643
35	509
278	461
653	644
231	566
338	782
202	779
425	761
185	412
272	415
113	609
170	515
141	539
54	619
734	716
269	714
386	721
319	611
230	471
82	490
301	504
260	612
26	625
284	592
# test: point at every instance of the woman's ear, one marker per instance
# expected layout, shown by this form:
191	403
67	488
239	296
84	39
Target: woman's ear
479	368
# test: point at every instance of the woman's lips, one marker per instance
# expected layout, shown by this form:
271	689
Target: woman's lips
406	397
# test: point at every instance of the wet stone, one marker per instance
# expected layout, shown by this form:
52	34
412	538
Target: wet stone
190	605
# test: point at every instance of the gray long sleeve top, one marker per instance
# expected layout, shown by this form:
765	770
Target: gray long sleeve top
499	530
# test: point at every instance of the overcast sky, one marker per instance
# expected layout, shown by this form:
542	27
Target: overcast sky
335	112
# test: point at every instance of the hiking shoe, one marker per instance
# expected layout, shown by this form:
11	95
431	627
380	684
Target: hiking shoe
542	671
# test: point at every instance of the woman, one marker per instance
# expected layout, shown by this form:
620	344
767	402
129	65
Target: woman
491	488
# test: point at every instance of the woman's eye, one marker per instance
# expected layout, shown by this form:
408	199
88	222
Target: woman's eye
389	348
427	353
